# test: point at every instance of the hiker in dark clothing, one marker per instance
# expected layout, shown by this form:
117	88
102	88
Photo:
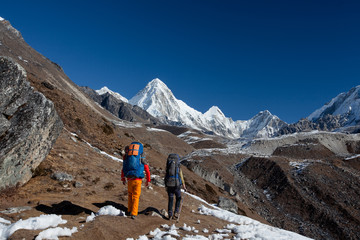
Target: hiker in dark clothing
174	180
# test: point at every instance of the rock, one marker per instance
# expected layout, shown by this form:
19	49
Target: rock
60	176
78	185
29	125
228	204
16	210
157	180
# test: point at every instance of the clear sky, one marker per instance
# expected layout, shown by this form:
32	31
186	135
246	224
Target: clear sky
289	57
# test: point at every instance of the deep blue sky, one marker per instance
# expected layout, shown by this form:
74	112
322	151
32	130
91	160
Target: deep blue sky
289	57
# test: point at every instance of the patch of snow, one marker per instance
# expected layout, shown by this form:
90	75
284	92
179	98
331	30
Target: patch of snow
4	221
299	166
187	228
34	223
54	233
248	228
191	139
125	124
107	210
267	194
352	157
155	129
96	149
1	19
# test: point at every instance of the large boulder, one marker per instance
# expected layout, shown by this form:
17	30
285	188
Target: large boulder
29	125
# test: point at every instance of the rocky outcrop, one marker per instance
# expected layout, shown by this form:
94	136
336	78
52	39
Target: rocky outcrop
29	125
326	123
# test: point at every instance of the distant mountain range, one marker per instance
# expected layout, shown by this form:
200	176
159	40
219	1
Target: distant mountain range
158	100
342	114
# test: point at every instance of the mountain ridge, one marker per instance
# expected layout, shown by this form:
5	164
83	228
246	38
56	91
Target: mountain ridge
341	114
157	99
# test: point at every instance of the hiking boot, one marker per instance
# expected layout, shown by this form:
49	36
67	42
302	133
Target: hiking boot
133	216
169	218
176	216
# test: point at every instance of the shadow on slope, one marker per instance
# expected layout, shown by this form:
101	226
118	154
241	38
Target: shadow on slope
63	208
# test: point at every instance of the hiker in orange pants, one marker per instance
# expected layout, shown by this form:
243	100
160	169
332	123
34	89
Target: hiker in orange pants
134	182
134	191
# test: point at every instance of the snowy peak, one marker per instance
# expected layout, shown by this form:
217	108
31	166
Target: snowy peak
157	87
214	112
159	101
345	105
1	19
105	90
263	116
153	90
158	84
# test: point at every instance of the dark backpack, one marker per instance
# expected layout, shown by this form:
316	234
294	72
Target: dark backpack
172	177
132	165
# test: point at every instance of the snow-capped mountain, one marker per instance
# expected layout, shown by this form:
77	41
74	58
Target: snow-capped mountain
104	90
345	105
158	100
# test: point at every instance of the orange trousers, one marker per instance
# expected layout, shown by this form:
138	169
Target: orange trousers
134	191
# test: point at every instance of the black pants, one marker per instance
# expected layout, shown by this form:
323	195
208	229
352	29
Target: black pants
171	192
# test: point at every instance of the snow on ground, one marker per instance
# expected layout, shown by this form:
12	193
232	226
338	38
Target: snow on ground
240	227
35	223
107	210
191	139
155	129
54	233
1	19
50	224
96	149
352	157
125	124
299	166
248	228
